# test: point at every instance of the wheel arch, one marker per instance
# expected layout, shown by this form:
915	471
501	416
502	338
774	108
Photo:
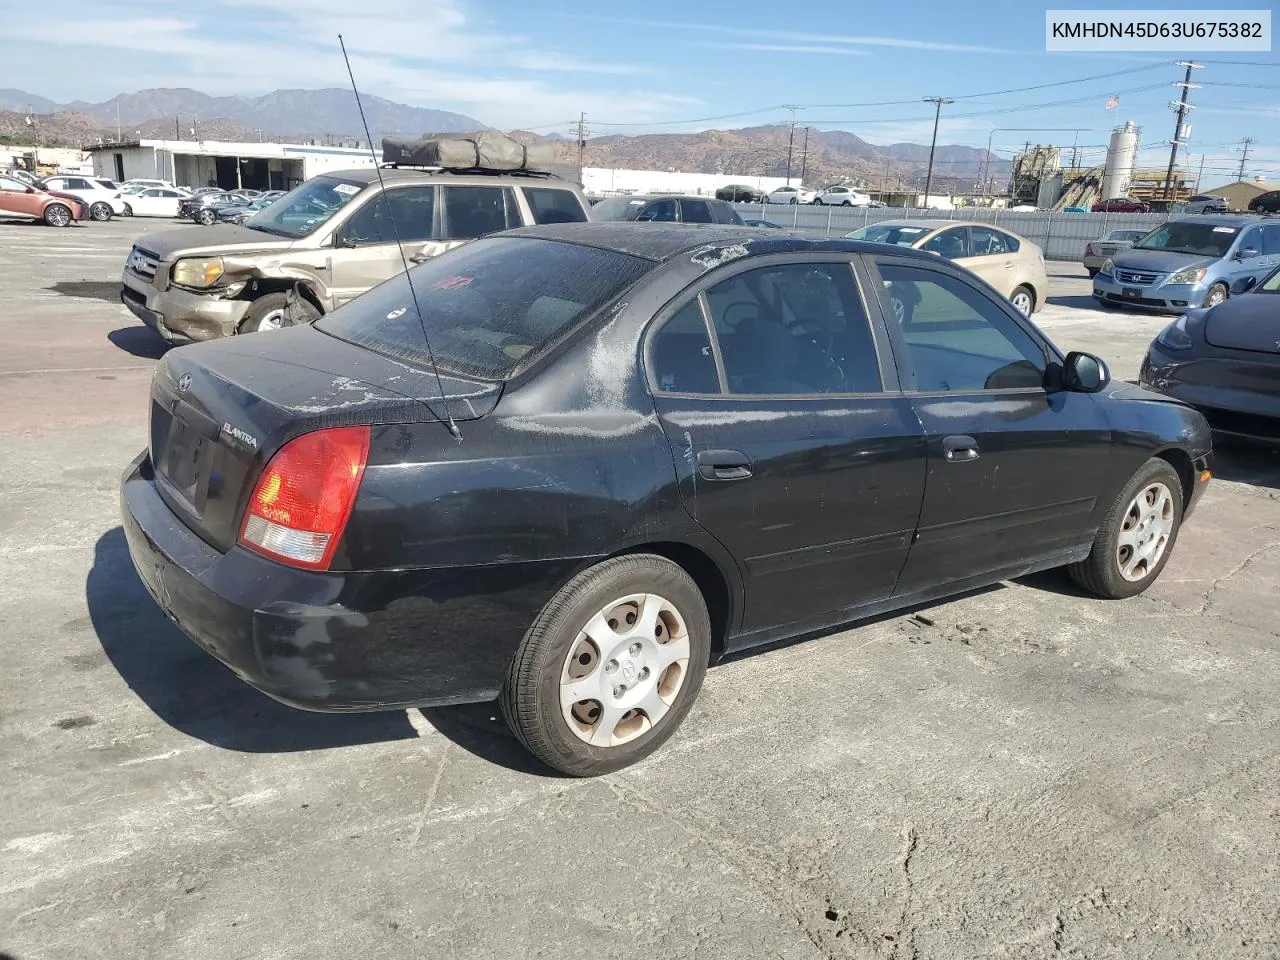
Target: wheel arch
710	579
262	286
1182	464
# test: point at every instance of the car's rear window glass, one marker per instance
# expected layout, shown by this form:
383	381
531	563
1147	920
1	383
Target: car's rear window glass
489	306
554	206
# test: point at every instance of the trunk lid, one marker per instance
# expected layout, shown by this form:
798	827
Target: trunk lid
1250	322
220	410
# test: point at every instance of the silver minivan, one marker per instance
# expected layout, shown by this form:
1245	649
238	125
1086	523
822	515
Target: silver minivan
327	241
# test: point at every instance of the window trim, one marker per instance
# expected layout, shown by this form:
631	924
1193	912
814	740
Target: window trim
880	343
906	375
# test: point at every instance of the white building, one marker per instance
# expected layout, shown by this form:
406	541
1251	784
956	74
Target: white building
46	160
213	163
604	182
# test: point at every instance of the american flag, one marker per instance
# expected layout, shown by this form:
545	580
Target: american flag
1113	102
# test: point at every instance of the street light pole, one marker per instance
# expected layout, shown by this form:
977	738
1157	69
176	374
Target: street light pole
937	102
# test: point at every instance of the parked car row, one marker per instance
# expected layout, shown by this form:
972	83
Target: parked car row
839	195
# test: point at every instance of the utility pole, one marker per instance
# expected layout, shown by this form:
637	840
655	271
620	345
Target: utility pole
119	135
1200	173
937	102
804	155
1246	142
582	142
177	128
1177	141
791	138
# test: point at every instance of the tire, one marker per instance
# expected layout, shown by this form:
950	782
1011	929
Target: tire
558	731
268	310
1024	299
818	202
1101	573
847	203
57	215
128	211
1092	271
1216	294
206	217
100	211
794	201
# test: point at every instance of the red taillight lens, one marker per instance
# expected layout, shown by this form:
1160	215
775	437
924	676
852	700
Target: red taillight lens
1088	249
301	503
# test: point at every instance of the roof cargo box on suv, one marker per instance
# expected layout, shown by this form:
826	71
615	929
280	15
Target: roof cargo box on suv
481	151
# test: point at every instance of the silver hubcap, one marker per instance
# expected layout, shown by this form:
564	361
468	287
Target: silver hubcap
1022	300
272	320
1145	532
1216	296
625	670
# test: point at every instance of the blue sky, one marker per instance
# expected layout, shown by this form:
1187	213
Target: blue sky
662	65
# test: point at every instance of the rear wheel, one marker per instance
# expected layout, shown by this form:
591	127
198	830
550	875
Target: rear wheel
847	203
57	215
100	211
206	217
265	313
1135	540
1216	295
610	667
1024	299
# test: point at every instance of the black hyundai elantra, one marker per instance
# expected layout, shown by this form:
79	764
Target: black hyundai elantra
620	452
1226	361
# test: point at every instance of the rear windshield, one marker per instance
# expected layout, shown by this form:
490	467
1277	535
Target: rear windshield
489	305
1201	239
888	233
306	207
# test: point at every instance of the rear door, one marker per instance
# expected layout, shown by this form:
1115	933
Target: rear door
1014	468
990	258
792	443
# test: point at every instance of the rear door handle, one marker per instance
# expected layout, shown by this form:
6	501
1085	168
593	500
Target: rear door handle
724	465
959	449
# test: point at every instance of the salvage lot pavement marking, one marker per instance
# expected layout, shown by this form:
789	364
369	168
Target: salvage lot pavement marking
1029	772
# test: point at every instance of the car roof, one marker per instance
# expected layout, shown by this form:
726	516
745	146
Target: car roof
1222	219
662	241
368	175
931	224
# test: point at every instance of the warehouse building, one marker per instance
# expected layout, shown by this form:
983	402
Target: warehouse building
1239	194
231	166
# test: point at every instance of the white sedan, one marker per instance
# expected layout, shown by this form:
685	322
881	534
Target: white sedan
840	196
791	194
155	202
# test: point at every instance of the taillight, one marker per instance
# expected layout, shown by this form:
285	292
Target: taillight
301	503
1088	250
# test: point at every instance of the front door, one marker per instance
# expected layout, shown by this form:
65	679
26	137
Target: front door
1014	467
365	251
17	197
792	444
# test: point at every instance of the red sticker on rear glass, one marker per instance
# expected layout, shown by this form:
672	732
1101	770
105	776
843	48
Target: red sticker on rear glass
451	283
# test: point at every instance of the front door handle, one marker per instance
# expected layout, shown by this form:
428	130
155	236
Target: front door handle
959	449
724	465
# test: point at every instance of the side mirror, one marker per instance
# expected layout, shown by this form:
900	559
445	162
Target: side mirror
1084	373
346	243
1248	253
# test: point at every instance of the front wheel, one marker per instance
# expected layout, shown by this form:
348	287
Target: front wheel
1216	295
266	313
847	203
610	667
128	211
1136	537
57	215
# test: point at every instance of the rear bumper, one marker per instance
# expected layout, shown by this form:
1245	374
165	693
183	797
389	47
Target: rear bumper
336	642
178	315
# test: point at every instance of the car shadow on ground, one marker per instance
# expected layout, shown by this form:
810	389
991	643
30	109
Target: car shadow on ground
479	729
1240	461
139	341
192	692
88	289
1076	302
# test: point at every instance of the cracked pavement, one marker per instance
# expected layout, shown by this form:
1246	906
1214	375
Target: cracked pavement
1023	772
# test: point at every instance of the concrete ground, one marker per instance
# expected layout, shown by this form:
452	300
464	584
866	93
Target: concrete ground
1024	772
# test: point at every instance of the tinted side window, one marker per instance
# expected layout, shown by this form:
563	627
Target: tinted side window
796	328
471	212
695	211
554	206
1271	240
949	243
412	208
957	338
1251	238
663	211
986	242
680	356
725	213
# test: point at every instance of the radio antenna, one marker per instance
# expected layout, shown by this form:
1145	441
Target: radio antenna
395	232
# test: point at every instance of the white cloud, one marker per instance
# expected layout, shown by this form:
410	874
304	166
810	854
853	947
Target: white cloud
432	53
782	48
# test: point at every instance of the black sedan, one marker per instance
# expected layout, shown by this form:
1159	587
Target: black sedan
624	453
1226	362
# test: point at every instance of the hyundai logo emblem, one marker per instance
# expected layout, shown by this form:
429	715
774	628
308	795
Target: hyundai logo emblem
184	382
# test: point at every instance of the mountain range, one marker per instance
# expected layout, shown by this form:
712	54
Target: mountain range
330	115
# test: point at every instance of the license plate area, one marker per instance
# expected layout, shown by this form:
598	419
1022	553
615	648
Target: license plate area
186	465
1131	293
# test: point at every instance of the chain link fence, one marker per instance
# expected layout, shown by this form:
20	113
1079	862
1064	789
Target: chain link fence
1060	235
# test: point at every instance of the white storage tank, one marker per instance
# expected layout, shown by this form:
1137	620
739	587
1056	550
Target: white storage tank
1118	171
